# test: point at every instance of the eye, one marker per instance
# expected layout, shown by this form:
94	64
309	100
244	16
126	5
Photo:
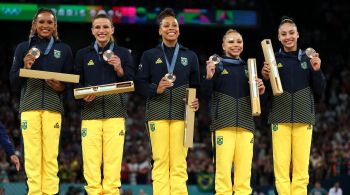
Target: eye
105	26
230	41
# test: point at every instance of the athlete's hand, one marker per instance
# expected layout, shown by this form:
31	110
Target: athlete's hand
116	63
55	85
315	62
28	61
266	71
210	69
195	104
89	98
261	86
15	160
163	85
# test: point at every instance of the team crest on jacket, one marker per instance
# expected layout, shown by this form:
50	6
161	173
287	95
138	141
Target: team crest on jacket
303	65
90	63
57	53
159	61
220	140
184	61
246	73
279	65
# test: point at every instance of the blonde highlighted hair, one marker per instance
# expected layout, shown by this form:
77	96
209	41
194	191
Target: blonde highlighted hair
105	16
229	31
33	31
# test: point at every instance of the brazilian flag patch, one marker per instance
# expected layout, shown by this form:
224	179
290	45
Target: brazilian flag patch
152	127
274	127
83	132
220	140
24	125
205	182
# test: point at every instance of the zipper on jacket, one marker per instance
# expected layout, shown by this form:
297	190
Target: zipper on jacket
170	102
43	94
103	107
216	105
292	92
237	93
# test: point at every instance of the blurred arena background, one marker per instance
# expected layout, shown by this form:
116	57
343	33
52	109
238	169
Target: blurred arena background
323	25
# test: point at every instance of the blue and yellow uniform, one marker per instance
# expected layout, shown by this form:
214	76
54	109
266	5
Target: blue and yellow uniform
41	108
232	126
103	119
165	115
292	116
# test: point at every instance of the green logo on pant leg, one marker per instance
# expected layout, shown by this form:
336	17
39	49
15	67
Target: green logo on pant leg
220	140
274	127
24	125
152	126
83	132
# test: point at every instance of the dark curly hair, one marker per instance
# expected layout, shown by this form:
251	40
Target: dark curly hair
166	13
286	19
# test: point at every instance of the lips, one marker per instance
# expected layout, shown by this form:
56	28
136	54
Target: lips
102	35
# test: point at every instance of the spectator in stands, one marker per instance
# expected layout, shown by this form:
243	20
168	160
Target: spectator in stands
336	190
103	117
318	190
41	104
6	144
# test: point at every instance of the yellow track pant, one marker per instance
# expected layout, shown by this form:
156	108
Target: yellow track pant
169	173
233	145
41	134
103	143
291	143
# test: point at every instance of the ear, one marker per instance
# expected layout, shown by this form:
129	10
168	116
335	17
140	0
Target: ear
298	35
112	30
160	33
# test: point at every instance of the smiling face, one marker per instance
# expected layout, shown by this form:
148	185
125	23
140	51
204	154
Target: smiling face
232	44
169	30
44	25
288	35
103	30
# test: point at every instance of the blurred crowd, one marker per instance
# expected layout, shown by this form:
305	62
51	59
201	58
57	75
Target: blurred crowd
330	152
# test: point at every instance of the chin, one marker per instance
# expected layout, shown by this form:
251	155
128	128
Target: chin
45	36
